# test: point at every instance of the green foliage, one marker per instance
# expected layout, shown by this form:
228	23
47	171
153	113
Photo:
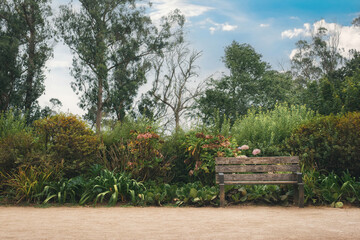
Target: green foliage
27	183
11	123
329	143
122	131
268	130
65	190
68	140
201	151
146	160
250	84
158	194
18	146
335	92
331	188
258	193
135	147
112	40
196	194
173	151
112	187
24	43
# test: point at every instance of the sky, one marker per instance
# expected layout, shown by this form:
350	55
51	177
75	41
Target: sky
271	27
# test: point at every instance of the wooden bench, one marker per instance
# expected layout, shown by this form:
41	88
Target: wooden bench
259	170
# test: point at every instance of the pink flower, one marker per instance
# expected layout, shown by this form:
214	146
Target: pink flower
256	151
244	147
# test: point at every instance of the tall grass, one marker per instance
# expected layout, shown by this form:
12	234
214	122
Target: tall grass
268	130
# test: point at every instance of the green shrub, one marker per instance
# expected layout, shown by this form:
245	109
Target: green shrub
122	132
67	139
173	151
27	183
112	187
330	188
11	123
201	150
330	143
65	190
17	144
268	130
158	194
258	194
196	194
139	155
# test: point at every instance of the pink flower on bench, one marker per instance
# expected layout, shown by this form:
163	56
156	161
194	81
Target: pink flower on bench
256	151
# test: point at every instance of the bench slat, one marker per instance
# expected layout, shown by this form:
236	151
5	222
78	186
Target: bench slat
259	182
257	160
258	177
256	168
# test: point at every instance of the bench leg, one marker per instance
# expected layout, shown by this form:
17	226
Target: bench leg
296	194
222	195
301	195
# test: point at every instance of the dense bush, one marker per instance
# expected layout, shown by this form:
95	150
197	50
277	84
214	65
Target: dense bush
140	154
331	188
330	143
27	183
173	151
17	143
67	139
201	150
268	130
112	187
122	131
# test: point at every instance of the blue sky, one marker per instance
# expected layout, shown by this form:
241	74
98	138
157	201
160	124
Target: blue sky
271	26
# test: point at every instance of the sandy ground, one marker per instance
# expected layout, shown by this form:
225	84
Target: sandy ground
246	222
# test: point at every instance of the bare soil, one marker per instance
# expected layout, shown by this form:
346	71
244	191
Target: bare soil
240	222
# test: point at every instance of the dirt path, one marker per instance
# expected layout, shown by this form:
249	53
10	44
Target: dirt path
249	222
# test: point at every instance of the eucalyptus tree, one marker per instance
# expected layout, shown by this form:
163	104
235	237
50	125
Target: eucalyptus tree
317	57
111	41
25	41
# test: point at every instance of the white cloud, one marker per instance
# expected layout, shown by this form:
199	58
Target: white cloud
217	26
163	7
306	32
294	18
212	30
228	27
348	36
263	25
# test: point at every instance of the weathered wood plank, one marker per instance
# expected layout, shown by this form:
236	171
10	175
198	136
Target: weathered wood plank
258	182
257	160
256	168
258	177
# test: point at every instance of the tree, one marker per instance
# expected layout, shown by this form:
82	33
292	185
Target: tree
356	21
25	42
111	40
10	68
319	57
175	74
336	92
251	83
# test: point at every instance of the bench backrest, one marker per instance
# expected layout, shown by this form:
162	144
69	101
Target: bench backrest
261	170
